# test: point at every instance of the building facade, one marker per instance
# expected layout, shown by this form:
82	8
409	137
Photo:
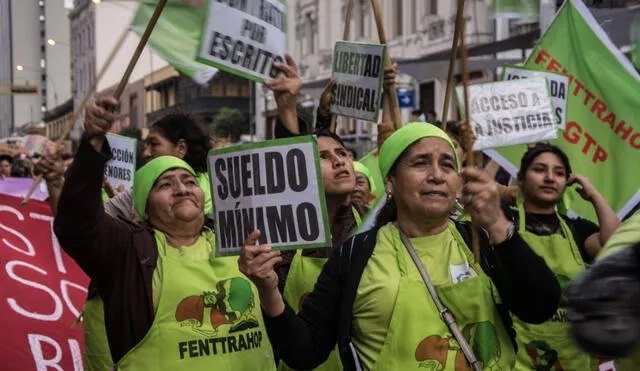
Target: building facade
31	59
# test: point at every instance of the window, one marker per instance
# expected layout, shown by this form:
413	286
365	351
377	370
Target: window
412	14
311	34
398	19
232	89
361	20
433	7
133	110
216	90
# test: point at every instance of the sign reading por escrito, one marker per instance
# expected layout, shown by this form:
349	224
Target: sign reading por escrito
245	37
274	186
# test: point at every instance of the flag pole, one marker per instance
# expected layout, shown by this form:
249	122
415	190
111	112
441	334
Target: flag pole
70	123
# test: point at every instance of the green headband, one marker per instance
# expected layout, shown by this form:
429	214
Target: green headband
361	168
402	138
147	175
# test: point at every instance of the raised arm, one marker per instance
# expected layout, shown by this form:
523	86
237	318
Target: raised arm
85	232
285	89
607	218
526	285
51	167
305	340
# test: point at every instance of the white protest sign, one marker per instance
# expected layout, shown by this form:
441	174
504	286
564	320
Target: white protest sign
510	112
359	70
558	85
274	186
245	37
120	169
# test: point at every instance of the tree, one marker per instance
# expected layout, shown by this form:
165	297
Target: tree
230	122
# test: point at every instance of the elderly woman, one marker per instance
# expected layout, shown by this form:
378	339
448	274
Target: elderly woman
371	298
169	302
365	185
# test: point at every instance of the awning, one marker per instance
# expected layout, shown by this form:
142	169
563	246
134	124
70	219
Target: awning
423	71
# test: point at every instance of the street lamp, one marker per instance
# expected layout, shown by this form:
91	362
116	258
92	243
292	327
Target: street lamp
20	67
54	42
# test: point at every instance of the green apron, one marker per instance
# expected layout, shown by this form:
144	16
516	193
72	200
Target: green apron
208	317
97	356
549	346
418	338
302	276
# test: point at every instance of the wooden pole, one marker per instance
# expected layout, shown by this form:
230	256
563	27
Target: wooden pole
70	123
391	95
452	62
141	44
345	37
475	239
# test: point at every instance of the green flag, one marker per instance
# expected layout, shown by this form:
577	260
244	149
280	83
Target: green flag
176	36
635	39
524	10
602	136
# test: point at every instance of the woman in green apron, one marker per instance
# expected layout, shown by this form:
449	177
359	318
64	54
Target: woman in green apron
371	297
299	269
365	185
169	302
301	274
566	244
177	134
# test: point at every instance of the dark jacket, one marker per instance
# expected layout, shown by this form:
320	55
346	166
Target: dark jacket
118	256
527	287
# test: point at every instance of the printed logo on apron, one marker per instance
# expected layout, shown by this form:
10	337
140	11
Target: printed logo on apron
230	303
432	352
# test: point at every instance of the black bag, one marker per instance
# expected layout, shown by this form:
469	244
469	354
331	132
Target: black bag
604	305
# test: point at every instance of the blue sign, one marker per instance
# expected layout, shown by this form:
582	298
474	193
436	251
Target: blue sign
405	99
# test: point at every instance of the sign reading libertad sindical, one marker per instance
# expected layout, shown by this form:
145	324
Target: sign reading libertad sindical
274	186
510	112
120	169
358	69
245	37
558	85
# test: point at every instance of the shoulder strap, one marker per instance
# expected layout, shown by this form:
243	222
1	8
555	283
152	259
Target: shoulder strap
446	315
491	266
581	247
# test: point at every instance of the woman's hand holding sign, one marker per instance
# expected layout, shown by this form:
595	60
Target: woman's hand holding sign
481	198
257	263
285	90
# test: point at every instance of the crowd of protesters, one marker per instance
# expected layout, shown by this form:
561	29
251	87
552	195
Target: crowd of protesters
369	301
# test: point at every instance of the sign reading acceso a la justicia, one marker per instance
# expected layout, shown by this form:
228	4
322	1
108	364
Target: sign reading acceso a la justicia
274	186
358	70
510	112
245	37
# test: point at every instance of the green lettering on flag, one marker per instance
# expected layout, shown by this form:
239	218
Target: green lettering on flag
602	137
176	36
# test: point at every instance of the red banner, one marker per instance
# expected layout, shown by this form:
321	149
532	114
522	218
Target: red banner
42	292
